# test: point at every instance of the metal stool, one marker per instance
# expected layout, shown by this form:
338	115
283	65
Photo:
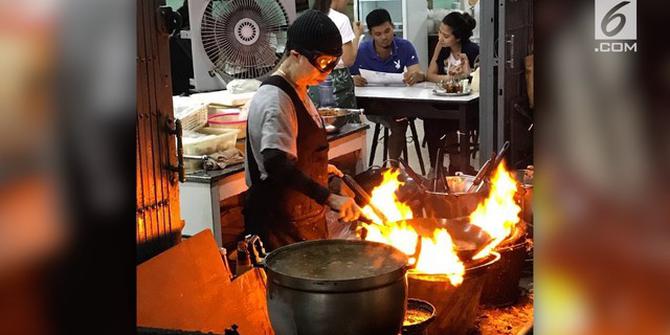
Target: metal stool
473	139
415	140
473	136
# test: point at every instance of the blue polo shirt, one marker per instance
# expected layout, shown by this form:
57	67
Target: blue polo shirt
403	54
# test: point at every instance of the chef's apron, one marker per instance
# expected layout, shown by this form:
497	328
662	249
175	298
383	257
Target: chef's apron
281	215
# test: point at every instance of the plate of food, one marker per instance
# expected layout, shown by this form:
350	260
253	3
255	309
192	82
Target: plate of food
452	88
444	93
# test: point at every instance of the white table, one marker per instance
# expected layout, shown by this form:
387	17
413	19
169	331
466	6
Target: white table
419	101
419	92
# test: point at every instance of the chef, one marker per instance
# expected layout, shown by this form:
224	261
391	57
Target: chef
287	151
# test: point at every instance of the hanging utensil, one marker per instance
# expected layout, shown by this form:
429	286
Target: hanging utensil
501	154
496	161
479	178
433	180
438	183
420	180
442	179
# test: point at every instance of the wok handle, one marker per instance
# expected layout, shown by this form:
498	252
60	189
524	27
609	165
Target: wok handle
419	179
501	154
349	181
483	172
488	167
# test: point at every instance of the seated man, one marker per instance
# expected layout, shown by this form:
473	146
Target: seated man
387	53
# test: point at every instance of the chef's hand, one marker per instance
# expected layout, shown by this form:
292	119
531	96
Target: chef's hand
332	169
347	207
359	81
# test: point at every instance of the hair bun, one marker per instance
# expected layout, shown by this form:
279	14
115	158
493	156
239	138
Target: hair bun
470	21
461	24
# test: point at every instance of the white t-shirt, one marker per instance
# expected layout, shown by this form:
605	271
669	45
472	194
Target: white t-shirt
452	61
273	124
344	26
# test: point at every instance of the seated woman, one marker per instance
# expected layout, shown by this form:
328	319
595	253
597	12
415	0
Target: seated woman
454	57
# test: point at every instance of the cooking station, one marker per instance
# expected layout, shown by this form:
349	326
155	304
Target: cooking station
429	254
449	273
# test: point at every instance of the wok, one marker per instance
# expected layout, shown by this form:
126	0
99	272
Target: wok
468	238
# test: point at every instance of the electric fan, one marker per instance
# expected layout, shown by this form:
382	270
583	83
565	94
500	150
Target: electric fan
241	39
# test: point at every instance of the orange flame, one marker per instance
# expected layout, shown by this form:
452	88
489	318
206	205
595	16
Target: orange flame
383	197
437	256
398	234
499	213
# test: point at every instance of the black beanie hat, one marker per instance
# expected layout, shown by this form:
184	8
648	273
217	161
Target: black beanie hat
314	31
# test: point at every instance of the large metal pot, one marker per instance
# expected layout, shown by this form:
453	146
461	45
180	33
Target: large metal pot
336	287
457	202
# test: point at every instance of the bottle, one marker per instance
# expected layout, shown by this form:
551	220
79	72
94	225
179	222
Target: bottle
326	96
243	263
224	257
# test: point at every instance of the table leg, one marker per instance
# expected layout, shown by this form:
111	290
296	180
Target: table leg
417	146
464	151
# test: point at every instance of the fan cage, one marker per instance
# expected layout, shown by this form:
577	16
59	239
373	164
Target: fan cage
244	39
